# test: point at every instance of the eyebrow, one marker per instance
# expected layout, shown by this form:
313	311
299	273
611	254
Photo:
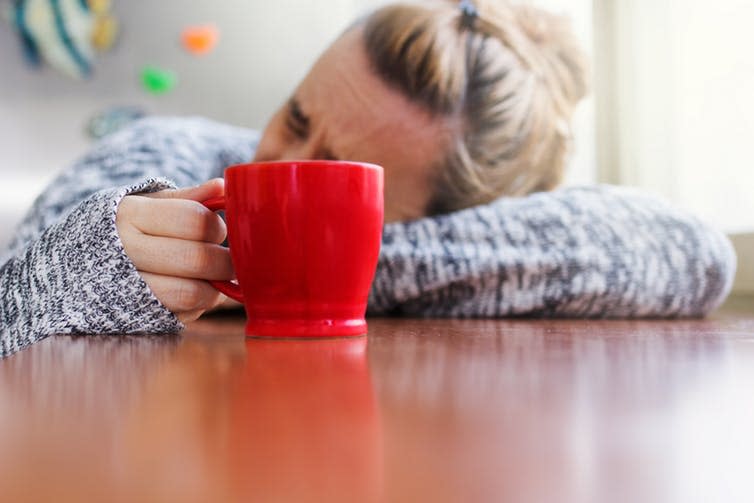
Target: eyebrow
302	120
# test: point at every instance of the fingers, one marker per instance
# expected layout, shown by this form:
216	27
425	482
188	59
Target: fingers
189	316
228	303
186	298
176	218
172	240
179	257
207	190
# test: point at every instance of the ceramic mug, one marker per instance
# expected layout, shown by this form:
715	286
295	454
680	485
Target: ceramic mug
304	239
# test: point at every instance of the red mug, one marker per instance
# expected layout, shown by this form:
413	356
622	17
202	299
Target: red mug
304	239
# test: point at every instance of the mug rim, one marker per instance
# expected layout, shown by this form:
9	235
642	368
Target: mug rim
297	163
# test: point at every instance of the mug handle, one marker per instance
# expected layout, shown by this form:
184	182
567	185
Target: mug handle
232	290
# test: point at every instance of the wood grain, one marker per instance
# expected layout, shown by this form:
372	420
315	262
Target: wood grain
421	410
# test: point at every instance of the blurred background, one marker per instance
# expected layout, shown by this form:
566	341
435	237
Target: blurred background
672	108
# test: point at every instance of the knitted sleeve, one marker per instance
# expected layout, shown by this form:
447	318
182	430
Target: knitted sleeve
580	252
66	270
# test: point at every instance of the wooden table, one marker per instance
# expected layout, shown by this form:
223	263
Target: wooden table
421	410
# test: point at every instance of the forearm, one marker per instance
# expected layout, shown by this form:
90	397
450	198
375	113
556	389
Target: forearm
76	278
66	270
596	252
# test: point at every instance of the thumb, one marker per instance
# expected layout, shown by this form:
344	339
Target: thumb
207	190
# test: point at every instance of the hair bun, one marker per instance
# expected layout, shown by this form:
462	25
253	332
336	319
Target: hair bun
561	58
505	77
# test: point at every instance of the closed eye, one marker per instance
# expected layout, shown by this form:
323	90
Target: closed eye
296	121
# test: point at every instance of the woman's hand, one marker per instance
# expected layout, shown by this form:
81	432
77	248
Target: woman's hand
174	242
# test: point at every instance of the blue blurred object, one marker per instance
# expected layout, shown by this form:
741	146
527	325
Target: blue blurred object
31	51
58	32
113	119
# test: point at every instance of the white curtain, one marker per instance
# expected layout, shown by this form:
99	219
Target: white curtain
676	102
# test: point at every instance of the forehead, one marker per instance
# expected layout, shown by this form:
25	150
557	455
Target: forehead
363	117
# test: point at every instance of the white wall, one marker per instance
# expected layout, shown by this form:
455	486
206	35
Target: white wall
265	47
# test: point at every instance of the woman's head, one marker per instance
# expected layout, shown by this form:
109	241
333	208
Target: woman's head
343	110
459	107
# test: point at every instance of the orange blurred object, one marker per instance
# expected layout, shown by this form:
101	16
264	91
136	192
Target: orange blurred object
200	40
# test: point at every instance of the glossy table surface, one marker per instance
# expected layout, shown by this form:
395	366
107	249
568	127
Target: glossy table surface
421	410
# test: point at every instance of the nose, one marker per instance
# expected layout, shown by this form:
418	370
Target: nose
277	148
301	150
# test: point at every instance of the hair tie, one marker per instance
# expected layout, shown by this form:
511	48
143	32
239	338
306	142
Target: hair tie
469	14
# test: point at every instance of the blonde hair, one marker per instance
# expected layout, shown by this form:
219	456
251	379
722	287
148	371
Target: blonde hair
510	81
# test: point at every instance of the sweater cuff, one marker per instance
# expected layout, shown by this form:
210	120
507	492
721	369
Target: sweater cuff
120	299
77	279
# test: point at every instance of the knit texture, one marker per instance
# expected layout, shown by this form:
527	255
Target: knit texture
600	251
588	252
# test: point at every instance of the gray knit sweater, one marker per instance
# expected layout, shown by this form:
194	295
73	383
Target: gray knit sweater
578	252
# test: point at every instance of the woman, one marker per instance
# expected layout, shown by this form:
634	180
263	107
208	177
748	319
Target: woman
461	104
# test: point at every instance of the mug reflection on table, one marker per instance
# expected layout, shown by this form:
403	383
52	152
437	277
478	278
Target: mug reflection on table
304	422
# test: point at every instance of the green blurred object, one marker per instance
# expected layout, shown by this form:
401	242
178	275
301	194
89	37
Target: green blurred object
158	81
